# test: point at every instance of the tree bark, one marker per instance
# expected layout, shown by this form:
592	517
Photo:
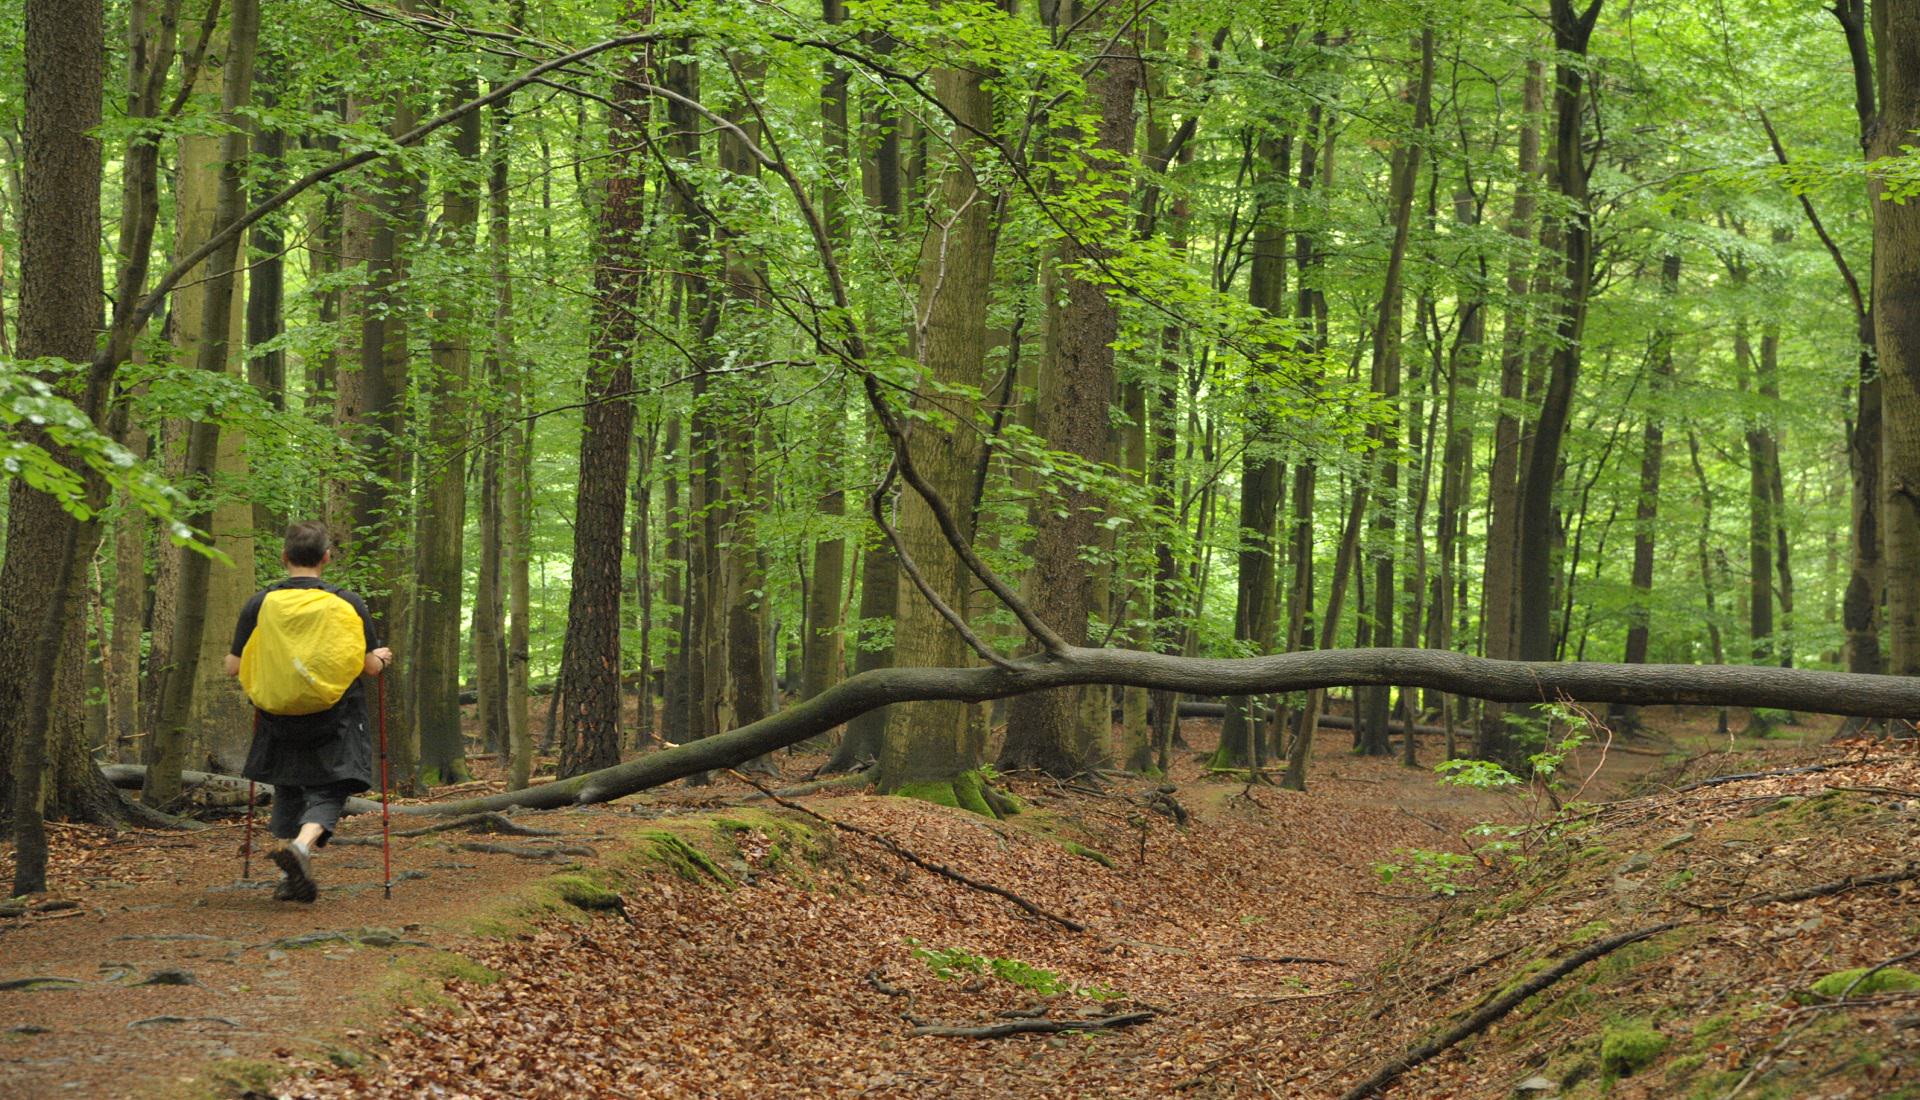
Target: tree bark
440	581
1652	455
1370	730
1571	31
1262	475
1060	733
1866	581
190	636
590	663
1896	311
932	741
59	308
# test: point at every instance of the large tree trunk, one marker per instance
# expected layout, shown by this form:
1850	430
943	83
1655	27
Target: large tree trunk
441	577
1896	311
59	309
589	684
220	721
932	741
1860	607
879	568
370	410
1500	571
1060	733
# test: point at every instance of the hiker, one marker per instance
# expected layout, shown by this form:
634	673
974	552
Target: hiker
300	650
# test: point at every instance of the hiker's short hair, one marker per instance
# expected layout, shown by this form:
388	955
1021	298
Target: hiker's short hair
307	543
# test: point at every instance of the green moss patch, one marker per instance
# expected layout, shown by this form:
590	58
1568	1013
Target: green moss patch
671	850
1863	981
582	893
1628	1048
1084	852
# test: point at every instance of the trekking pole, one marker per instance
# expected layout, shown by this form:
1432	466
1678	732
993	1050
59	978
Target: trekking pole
246	846
386	852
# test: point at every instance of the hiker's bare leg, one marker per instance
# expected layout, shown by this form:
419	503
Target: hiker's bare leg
310	834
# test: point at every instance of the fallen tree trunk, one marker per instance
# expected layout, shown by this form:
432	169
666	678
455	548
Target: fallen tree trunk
1455	673
1190	709
128	777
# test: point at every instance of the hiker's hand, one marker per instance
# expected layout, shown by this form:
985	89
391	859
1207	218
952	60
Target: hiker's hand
233	665
378	660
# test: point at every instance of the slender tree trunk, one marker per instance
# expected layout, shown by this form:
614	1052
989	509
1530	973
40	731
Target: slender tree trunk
823	655
516	521
1652	455
1371	704
1262	475
203	441
1571	30
1707	587
441	576
589	683
879	568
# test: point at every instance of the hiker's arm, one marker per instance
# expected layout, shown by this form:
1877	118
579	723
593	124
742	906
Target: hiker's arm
378	660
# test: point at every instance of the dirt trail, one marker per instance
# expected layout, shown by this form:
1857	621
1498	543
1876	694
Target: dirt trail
797	976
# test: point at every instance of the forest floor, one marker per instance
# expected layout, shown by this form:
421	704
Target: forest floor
693	943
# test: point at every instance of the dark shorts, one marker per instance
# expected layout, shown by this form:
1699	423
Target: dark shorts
297	806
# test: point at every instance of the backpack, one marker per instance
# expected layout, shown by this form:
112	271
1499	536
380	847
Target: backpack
307	648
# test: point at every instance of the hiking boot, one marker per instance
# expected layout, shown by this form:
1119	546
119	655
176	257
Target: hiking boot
298	866
283	891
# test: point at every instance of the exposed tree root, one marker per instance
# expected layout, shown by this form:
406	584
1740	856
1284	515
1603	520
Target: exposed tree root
1499	1007
924	864
1025	1027
473	823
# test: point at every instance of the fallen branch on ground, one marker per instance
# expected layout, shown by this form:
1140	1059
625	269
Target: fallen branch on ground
897	849
1022	1027
1824	889
1807	770
1499	1007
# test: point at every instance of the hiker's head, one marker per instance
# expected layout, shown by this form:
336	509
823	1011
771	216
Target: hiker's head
307	544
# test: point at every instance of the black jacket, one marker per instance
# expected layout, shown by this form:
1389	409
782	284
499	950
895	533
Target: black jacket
311	750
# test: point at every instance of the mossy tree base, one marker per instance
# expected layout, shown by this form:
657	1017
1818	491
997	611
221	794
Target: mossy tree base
968	791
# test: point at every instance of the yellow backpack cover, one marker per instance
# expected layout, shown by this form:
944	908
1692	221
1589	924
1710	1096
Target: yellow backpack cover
306	650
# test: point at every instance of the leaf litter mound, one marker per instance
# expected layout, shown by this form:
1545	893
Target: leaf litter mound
810	977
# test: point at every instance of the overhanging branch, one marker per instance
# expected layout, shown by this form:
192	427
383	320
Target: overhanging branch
1503	681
